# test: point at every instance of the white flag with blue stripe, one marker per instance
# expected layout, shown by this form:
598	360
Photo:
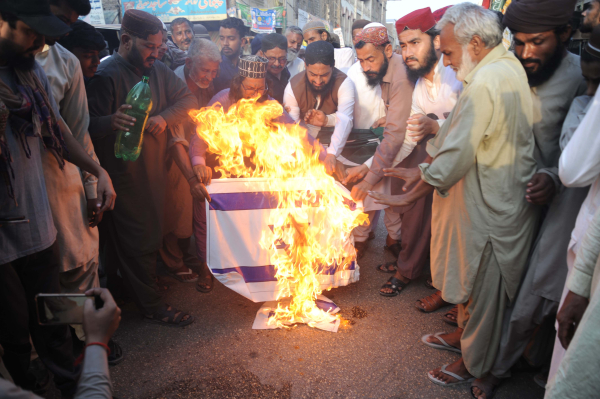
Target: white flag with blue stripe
237	216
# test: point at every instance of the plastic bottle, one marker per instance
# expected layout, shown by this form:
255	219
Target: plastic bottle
129	144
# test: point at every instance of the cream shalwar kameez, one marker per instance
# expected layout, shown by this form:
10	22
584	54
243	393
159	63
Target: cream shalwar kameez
482	226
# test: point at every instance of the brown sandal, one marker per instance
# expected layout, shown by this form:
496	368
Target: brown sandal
451	316
431	303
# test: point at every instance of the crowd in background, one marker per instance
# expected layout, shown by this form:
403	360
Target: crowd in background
480	154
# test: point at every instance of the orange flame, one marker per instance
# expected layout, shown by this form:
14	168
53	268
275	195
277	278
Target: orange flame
315	222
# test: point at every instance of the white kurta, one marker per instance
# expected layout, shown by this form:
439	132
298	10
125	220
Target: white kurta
341	119
579	166
436	97
296	66
78	243
344	58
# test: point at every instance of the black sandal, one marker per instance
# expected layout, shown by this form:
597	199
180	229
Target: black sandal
396	286
385	268
116	353
174	317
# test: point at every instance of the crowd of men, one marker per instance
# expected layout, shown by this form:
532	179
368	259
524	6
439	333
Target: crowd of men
482	158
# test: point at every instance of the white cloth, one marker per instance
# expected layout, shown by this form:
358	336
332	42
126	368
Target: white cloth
296	66
432	97
368	106
344	58
342	119
579	166
237	213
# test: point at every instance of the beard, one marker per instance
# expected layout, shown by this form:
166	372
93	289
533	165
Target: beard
292	54
424	68
546	70
466	65
375	78
15	57
321	91
136	59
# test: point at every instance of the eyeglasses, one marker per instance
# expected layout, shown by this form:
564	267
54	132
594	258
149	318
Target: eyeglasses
260	90
281	61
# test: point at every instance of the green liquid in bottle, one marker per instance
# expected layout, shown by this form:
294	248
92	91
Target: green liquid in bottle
129	144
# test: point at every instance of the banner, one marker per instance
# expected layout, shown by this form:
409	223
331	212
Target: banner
246	16
96	15
168	10
263	21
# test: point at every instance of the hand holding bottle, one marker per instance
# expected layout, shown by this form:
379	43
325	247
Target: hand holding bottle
120	120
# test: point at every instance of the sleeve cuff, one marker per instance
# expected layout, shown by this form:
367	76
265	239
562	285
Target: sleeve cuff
580	283
330	120
197	160
426	177
553	173
372	178
331	150
91	190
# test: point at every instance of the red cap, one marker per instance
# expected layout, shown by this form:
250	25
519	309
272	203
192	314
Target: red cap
438	14
421	19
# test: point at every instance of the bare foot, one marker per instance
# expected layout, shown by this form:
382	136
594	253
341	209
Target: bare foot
452	339
484	386
458	368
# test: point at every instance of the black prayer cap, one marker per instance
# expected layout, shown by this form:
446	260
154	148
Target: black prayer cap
83	36
534	16
320	52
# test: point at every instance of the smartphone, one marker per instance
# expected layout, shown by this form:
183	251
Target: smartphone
53	309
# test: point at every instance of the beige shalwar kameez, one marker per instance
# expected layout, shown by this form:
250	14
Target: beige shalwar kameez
482	226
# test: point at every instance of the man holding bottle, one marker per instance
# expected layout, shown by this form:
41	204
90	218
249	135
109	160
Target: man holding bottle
133	231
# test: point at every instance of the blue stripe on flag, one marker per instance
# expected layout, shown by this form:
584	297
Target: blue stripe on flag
261	274
255	200
324	305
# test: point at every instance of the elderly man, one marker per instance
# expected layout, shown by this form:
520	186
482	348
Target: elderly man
29	252
294	38
315	31
182	33
274	47
232	37
480	164
201	67
134	230
323	97
555	79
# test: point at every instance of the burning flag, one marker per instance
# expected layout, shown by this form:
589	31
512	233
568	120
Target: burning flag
282	229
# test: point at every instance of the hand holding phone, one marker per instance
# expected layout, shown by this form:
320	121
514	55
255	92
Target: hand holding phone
100	323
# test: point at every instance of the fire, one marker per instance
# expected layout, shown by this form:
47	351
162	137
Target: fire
315	224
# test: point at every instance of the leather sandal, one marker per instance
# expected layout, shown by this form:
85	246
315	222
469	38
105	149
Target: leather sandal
431	303
395	284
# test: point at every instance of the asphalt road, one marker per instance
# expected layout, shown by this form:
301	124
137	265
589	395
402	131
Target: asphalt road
378	354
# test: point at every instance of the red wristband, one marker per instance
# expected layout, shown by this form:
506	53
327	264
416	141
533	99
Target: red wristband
102	344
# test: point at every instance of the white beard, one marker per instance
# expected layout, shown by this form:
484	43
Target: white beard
466	65
291	55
